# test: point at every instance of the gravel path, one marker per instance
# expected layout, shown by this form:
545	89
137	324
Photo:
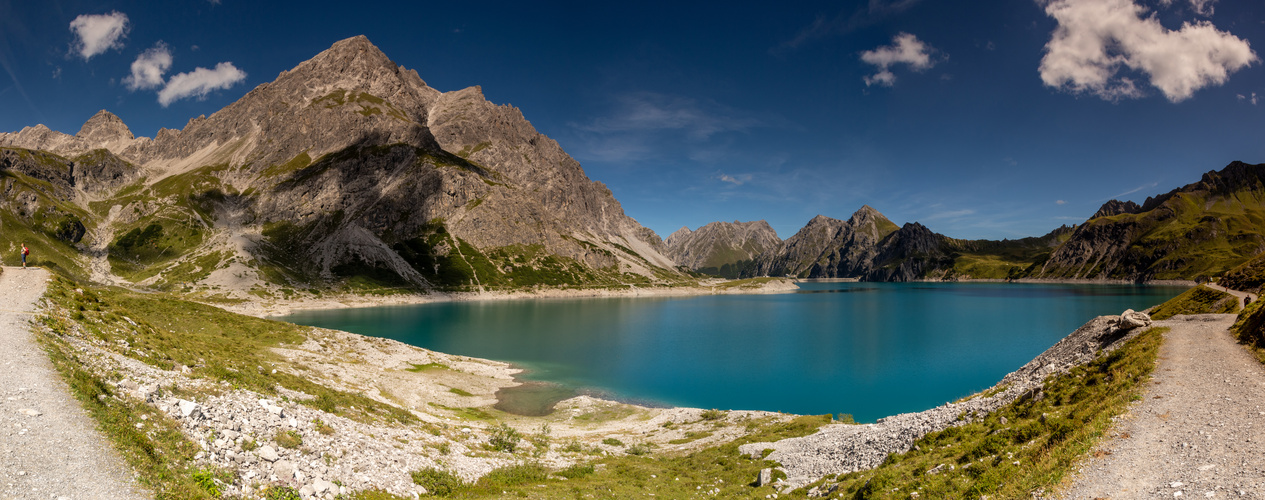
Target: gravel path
1199	432
1241	295
49	447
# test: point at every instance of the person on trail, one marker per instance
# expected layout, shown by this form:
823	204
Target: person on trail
25	252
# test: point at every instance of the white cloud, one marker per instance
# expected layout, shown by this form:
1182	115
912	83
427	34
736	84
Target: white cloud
149	67
1096	39
200	82
1201	7
96	34
1252	99
735	180
1060	202
905	49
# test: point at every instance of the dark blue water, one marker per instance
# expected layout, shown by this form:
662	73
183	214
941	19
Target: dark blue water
868	349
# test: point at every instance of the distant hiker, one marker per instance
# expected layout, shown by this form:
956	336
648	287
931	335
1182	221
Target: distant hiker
25	252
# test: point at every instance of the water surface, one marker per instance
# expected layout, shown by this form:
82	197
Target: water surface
867	349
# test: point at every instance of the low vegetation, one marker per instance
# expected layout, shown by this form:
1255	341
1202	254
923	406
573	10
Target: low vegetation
1249	329
1197	300
1023	448
169	333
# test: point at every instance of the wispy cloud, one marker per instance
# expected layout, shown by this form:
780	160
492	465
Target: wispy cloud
736	180
200	82
649	111
95	34
148	68
1252	98
846	21
1060	202
1096	40
1134	190
950	214
905	49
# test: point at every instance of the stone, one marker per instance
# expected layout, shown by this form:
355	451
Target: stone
30	412
1131	319
765	477
188	409
320	486
307	491
283	469
268	453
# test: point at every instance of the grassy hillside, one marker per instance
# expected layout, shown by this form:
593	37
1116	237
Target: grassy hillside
1201	230
1197	300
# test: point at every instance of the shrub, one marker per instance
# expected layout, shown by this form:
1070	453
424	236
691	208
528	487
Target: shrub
288	439
612	442
436	481
712	414
504	438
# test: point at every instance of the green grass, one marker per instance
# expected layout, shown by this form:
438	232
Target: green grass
158	452
629	475
1197	300
1190	234
1249	328
1247	277
746	283
167	332
1046	436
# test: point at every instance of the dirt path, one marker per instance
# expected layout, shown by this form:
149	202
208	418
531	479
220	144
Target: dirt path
1199	432
1241	295
49	448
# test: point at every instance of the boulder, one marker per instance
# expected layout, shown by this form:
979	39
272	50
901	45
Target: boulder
189	409
268	453
1131	319
766	477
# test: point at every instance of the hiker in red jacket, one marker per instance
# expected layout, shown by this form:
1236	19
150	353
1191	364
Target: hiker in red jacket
25	252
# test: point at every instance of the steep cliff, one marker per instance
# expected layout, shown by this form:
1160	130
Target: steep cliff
721	248
348	170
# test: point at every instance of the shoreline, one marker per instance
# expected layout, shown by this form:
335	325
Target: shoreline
285	307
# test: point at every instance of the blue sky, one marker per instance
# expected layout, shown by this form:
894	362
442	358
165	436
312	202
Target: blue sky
982	119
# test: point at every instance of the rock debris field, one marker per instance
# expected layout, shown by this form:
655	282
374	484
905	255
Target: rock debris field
49	448
1199	432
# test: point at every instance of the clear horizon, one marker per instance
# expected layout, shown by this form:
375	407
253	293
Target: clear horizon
994	120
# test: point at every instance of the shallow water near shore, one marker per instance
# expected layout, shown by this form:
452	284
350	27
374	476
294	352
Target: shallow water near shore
866	349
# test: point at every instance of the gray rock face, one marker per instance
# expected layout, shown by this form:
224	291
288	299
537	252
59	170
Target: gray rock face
829	248
720	243
105	129
361	164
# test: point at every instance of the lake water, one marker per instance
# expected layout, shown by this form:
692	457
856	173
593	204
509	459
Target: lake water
867	349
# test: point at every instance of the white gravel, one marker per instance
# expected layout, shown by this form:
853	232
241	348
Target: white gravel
1199	432
49	447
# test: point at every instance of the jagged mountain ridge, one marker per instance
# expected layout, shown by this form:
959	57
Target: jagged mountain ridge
719	244
1202	229
350	164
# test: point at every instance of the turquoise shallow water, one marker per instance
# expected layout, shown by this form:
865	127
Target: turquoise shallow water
868	349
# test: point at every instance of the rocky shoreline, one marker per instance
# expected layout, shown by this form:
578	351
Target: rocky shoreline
265	441
844	448
706	287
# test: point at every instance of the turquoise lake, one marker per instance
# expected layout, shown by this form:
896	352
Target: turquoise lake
866	349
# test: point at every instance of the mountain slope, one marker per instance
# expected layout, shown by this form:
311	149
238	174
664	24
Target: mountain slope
721	248
1202	229
349	170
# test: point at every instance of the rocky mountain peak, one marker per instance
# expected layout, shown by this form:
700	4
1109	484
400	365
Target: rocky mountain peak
104	127
1117	207
677	236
